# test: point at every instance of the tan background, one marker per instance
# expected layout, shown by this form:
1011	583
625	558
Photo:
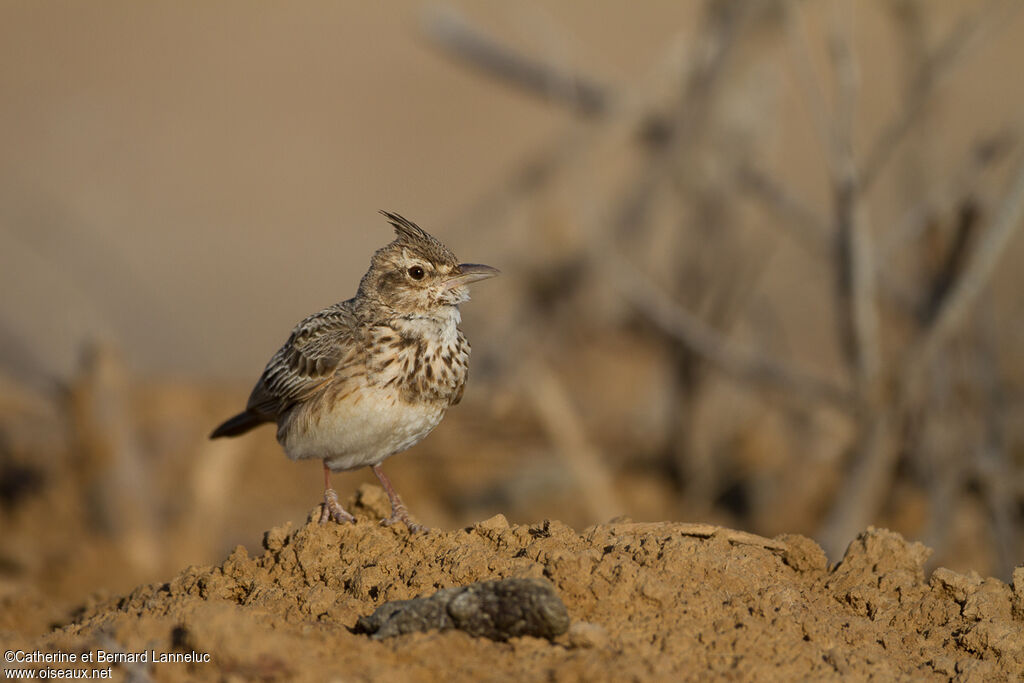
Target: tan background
187	180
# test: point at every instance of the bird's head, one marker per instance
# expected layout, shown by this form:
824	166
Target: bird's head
416	274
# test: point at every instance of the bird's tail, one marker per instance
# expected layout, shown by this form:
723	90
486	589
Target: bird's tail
239	424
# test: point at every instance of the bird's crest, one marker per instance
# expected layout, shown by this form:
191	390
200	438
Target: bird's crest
409	234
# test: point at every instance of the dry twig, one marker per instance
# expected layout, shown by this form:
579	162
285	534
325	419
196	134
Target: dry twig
567	432
803	221
859	324
962	183
746	365
950	54
454	34
953	310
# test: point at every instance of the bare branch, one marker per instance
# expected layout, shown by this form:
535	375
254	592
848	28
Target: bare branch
807	226
800	49
460	40
950	54
994	467
628	111
858	322
722	24
567	432
746	365
962	183
953	309
864	488
872	457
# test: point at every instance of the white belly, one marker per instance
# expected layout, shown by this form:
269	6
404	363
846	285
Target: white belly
360	431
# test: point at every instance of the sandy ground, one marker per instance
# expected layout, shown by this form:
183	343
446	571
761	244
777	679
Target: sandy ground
651	601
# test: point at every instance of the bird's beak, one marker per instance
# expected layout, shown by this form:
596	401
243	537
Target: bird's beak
469	272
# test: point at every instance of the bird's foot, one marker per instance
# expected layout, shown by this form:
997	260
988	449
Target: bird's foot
398	511
400	514
332	509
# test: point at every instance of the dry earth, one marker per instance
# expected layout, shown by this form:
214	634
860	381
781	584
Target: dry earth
650	601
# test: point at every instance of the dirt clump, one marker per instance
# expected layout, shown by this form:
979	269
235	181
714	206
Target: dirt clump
499	610
647	601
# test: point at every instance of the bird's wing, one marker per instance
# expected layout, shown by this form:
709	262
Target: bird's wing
318	347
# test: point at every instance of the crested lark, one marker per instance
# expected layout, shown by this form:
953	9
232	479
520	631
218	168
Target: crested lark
367	378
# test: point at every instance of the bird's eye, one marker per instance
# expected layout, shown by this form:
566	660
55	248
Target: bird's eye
416	272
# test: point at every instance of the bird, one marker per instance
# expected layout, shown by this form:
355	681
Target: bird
369	377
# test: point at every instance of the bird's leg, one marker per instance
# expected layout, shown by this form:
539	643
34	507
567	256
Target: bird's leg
332	508
399	513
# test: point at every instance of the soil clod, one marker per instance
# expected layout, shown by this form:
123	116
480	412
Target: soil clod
498	610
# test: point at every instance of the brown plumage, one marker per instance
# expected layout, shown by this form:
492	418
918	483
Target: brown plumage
369	377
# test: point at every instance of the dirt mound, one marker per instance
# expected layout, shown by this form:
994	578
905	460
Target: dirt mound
655	601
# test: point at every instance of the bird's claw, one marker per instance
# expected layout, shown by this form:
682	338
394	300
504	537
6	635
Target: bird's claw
402	515
332	509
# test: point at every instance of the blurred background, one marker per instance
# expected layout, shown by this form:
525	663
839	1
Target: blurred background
759	265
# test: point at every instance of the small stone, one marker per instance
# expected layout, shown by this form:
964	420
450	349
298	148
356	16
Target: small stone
583	634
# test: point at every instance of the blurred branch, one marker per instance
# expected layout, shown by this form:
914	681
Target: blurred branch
800	48
454	35
567	432
858	321
803	221
962	183
874	460
110	462
527	178
883	400
745	365
865	487
910	22
953	309
720	29
593	102
994	464
944	59
673	157
948	267
449	31
871	457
